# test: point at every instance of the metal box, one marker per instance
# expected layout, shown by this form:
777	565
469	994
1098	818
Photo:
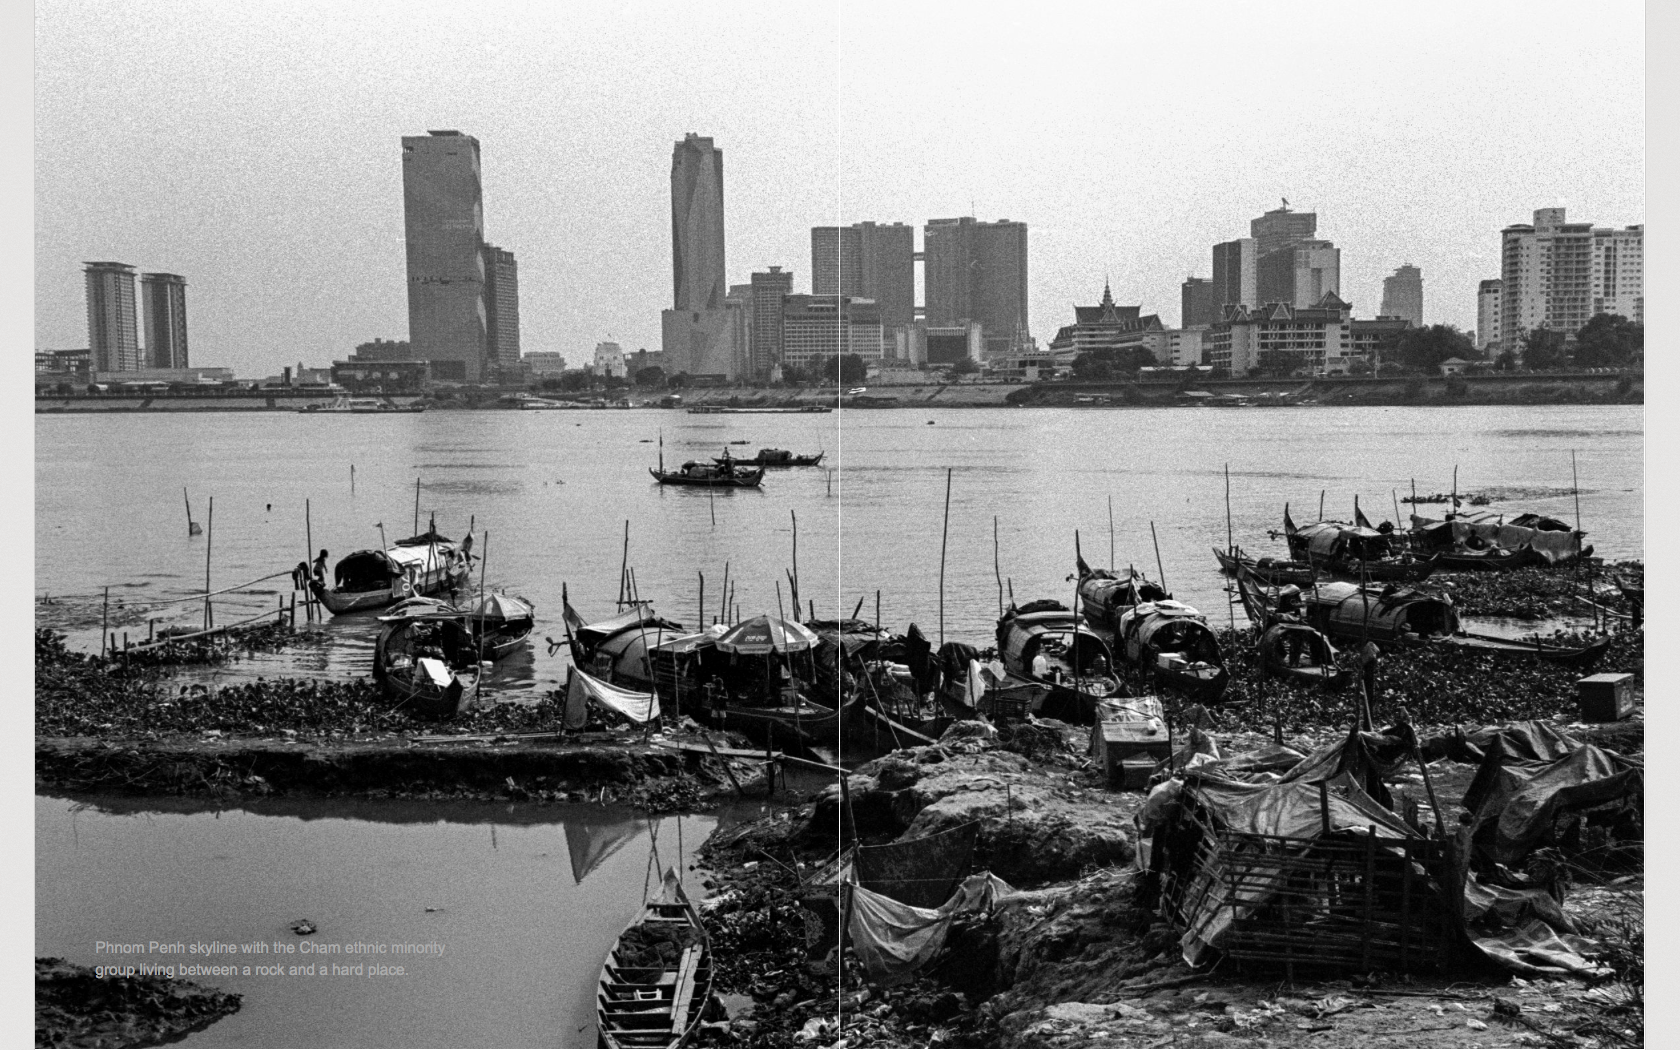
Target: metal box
1605	697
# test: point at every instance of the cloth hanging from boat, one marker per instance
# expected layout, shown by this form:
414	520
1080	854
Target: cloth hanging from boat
894	940
585	689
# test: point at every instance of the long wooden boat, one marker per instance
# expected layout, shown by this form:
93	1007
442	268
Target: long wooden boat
1552	541
1472	554
1271	571
426	661
1045	642
1354	552
1580	657
656	982
1106	596
371	579
1174	641
773	457
1296	651
501	624
710	475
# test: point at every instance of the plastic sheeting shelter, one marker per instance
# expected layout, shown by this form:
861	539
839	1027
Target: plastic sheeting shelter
894	940
584	689
1552	539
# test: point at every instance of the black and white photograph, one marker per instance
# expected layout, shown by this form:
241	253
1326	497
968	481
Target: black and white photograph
632	523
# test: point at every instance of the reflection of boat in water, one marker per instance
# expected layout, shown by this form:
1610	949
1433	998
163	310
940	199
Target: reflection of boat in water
657	979
593	835
420	565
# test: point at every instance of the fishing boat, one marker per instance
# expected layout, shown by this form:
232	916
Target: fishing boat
1046	642
1355	552
774	457
1271	571
619	648
1551	540
657	980
1106	596
1580	657
1472	553
725	474
425	658
1294	650
1174	641
372	579
500	623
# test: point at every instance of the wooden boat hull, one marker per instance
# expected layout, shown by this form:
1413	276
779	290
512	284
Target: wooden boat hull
1383	571
748	480
1492	560
1274	574
340	602
642	1000
1580	657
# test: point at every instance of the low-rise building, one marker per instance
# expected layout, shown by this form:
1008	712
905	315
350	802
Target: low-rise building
1374	340
1284	339
816	326
382	377
544	362
1108	327
63	366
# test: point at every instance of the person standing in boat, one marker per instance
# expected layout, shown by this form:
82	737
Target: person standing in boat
320	569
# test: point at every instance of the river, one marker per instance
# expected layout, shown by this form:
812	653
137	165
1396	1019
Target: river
549	493
524	901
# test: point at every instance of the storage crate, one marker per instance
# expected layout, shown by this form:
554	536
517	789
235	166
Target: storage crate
1605	697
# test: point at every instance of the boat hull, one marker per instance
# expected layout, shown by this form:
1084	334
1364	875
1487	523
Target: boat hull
340	602
749	480
642	1000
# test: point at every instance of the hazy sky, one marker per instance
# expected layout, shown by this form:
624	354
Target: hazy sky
254	148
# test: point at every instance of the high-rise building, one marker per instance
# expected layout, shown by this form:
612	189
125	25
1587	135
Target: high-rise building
165	295
871	261
1557	275
1403	295
1488	295
769	294
113	331
697	224
1299	274
443	220
701	334
977	272
1196	306
1281	228
1235	279
501	309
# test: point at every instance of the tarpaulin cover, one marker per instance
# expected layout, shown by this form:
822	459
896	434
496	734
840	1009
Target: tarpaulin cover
585	689
1525	930
1532	742
1366	756
1552	544
894	940
1518	802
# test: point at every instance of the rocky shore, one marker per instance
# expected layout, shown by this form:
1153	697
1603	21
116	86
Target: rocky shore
77	1006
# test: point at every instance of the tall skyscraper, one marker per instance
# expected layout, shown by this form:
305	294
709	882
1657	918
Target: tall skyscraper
1403	295
769	295
1196	305
701	334
697	224
977	272
1557	275
1488	295
871	261
1235	277
501	308
1281	228
113	333
443	221
165	295
1299	274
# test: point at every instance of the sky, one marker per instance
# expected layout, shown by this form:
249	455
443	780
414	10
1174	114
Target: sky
255	148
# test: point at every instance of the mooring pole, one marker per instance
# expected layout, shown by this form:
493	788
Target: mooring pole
416	531
702	616
623	566
793	581
209	536
1111	532
1320	504
723	613
1158	566
105	620
1230	539
944	535
352	479
996	567
308	558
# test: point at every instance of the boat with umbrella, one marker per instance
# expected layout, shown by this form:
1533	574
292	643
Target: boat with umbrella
501	623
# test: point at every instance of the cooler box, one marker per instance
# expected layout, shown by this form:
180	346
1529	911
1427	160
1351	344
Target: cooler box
1605	697
1114	744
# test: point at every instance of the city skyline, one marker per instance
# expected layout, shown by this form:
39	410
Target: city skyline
576	183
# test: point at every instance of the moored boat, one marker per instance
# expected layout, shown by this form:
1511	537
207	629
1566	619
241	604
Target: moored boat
656	982
363	406
426	660
1046	642
372	579
1294	650
1175	643
712	475
1271	571
773	457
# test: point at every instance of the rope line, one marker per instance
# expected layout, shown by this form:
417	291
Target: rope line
170	601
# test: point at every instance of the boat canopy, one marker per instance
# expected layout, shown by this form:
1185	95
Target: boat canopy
627	655
364	570
1328	539
500	608
1552	539
637	616
1021	636
1383	613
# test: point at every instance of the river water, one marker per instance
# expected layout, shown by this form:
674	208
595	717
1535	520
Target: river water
524	900
549	494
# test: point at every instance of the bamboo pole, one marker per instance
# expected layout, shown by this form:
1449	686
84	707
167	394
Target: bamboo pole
352	479
794	581
623	566
416	531
1320	504
996	568
105	620
483	564
701	621
1158	566
723	613
877	611
1111	532
209	536
308	559
944	535
1230	537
